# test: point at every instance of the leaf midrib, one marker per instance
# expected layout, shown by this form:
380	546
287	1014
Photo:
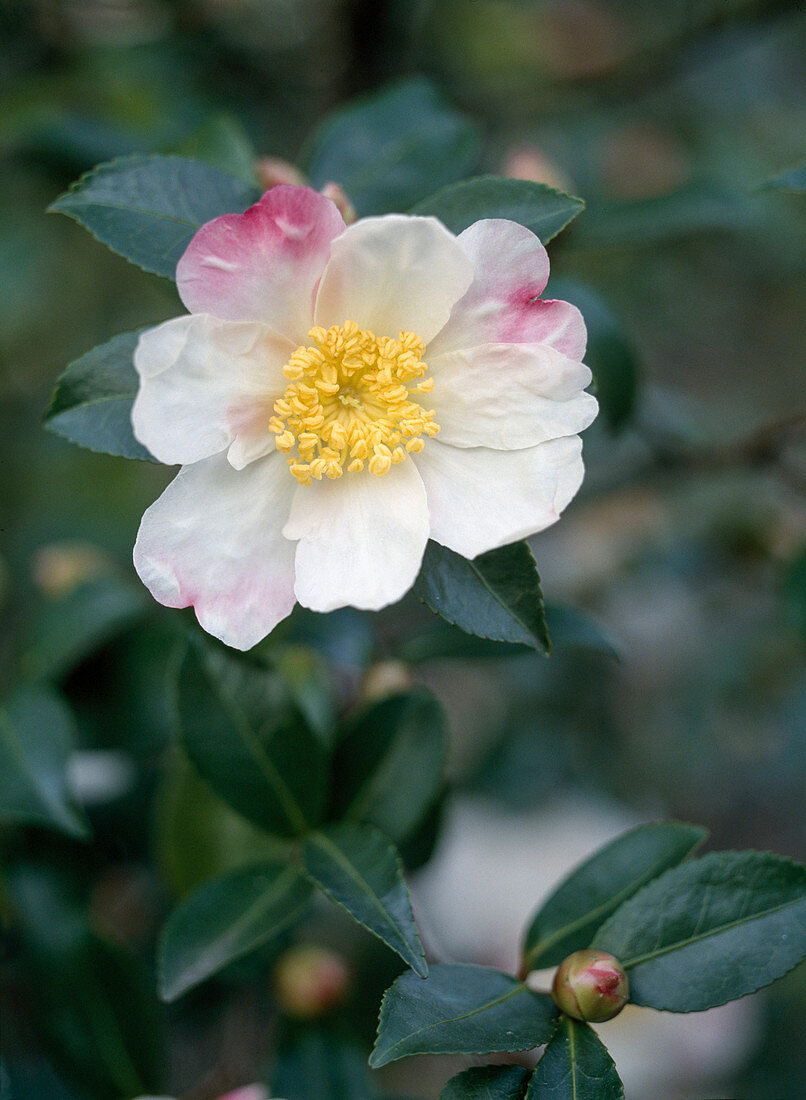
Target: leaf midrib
679	945
506	607
457	1019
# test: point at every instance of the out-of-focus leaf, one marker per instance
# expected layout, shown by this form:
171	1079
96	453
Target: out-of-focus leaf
97	1008
197	836
358	868
222	142
311	684
496	595
610	355
92	403
70	629
571	629
575	1066
243	733
793	180
148	208
388	767
36	739
698	208
487	1083
316	1064
226	918
391	149
795	593
536	205
710	931
568	919
460	1010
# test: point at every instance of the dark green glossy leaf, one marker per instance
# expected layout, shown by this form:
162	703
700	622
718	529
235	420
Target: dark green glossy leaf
358	868
226	918
488	1083
148	208
92	403
693	210
460	1010
311	683
710	931
69	630
537	206
388	768
222	142
391	149
610	355
496	595
575	1066
241	730
198	836
567	921
316	1064
36	739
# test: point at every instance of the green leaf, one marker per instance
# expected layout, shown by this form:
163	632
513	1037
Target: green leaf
793	180
536	205
575	1066
36	739
610	355
226	918
95	1004
92	403
148	208
360	870
460	1010
496	595
487	1083
391	149
567	921
569	629
197	836
710	931
242	732
794	592
69	630
316	1064
222	142
693	210
388	768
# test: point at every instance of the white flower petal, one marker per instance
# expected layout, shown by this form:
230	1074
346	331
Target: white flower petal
213	541
361	538
480	499
393	273
509	396
504	305
204	383
263	265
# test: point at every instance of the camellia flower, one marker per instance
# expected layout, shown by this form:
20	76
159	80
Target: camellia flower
339	395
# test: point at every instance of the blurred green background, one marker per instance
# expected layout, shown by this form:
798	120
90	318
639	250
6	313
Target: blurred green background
676	122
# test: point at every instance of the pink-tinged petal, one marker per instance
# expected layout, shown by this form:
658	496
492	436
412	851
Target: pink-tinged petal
361	538
213	540
509	396
393	273
263	265
206	384
481	499
503	305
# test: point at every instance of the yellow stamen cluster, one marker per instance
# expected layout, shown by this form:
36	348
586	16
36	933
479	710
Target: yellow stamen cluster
349	403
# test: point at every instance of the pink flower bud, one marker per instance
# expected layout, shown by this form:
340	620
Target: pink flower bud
271	171
336	193
590	985
310	980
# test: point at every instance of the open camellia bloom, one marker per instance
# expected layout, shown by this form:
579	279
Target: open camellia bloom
337	396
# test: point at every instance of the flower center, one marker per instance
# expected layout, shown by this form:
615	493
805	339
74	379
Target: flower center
349	403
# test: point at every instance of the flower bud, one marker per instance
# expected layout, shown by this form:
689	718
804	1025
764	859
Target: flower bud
336	193
590	985
310	980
